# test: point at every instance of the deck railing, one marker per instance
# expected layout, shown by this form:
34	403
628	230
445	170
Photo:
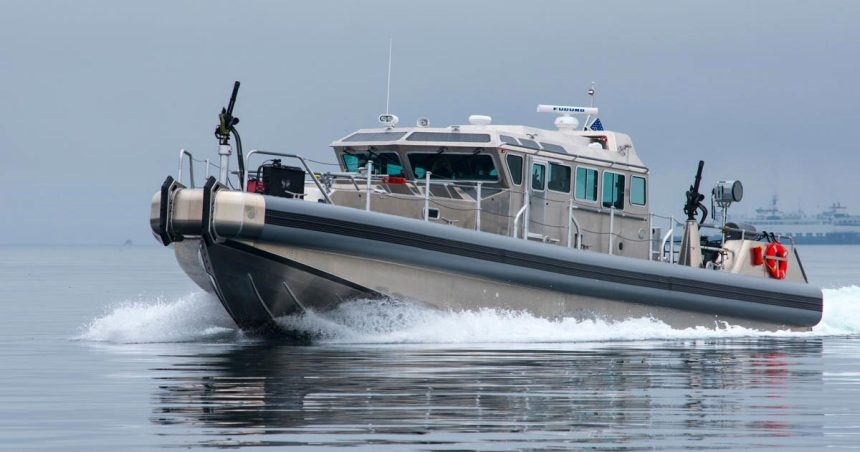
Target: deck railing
301	160
666	250
185	155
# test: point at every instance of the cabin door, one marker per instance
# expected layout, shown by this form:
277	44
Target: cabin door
537	198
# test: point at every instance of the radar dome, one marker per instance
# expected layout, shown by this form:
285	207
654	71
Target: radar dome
480	120
566	123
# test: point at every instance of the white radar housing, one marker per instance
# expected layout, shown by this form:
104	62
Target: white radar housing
389	120
567	123
480	120
567	110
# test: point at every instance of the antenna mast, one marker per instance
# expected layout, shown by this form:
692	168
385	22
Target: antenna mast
387	119
388	85
590	94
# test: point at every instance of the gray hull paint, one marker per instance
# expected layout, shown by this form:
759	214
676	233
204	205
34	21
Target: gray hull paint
256	285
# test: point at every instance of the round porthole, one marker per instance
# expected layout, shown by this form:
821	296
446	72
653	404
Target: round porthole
620	246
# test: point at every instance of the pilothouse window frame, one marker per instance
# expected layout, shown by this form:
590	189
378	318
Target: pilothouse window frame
454	151
343	153
615	200
513	177
569	177
596	188
544	165
644	180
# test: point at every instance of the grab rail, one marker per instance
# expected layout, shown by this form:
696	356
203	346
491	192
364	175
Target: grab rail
328	176
478	207
206	164
294	156
369	170
427	195
183	153
572	217
611	244
672	247
516	229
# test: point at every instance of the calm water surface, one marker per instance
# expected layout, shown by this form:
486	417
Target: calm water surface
106	348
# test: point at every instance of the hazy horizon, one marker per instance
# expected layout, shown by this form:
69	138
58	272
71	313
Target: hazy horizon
98	97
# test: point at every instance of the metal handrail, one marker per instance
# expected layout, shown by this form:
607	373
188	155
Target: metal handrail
611	243
572	217
516	229
744	232
369	170
663	244
478	207
206	163
182	154
350	176
279	154
427	175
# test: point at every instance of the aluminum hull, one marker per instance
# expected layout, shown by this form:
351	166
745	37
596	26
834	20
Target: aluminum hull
310	256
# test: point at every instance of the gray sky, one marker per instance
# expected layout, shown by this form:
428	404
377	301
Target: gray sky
98	96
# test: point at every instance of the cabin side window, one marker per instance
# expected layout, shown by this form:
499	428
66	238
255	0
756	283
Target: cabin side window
559	178
515	166
375	136
383	162
553	148
613	190
453	166
509	140
637	191
586	184
538	176
529	143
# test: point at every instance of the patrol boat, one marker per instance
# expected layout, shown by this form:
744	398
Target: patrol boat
553	222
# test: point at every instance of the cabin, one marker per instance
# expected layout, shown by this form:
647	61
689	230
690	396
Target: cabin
585	189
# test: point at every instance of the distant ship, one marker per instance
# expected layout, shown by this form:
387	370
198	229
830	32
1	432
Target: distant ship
833	226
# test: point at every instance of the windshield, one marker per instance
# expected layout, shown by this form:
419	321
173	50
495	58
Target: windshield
383	162
453	166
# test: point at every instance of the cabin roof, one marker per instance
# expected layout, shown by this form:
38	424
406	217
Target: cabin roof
603	145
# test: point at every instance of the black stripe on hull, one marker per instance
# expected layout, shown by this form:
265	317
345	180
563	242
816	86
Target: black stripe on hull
531	261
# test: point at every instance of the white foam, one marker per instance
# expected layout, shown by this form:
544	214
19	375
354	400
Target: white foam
841	312
369	321
194	317
200	317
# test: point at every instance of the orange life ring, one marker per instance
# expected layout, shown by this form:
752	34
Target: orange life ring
776	260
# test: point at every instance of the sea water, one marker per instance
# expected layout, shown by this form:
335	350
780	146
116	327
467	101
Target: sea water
113	348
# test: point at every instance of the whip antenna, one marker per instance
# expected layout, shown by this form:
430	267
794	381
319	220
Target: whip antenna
591	93
387	119
388	84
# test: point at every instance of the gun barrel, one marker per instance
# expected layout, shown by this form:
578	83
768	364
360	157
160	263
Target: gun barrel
698	176
233	98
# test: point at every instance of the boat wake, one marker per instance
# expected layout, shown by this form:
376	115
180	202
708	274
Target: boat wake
195	317
199	317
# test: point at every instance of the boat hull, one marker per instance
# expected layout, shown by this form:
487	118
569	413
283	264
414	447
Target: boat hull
302	256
